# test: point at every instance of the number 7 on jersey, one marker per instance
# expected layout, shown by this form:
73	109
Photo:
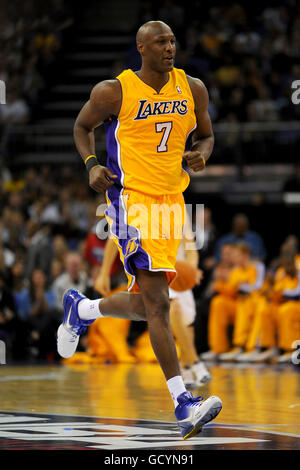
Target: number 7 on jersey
166	128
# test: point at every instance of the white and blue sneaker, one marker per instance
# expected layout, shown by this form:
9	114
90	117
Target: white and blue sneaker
72	327
201	374
192	413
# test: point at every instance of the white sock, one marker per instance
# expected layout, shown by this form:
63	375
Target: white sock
89	309
176	387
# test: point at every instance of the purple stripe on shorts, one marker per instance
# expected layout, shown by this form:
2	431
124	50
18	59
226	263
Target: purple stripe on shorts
129	238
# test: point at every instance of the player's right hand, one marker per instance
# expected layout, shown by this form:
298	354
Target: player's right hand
99	178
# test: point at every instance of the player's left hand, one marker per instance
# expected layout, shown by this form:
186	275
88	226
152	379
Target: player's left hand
195	160
102	283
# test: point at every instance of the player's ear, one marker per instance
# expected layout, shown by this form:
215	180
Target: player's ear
140	48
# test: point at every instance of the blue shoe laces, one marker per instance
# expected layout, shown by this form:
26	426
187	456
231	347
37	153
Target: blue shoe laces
194	400
79	330
190	399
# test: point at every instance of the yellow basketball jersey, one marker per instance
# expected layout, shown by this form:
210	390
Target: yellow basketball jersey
284	281
146	143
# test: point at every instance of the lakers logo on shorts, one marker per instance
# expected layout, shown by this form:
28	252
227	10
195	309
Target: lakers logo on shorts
131	247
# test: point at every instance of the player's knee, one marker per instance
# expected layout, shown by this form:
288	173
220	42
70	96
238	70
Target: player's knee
158	305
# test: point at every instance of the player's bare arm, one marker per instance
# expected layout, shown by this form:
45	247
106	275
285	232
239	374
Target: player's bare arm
102	283
104	102
203	139
190	249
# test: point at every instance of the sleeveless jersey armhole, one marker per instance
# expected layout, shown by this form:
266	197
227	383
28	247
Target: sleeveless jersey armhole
122	98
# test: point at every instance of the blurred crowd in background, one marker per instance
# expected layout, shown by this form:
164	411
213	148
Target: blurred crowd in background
46	230
31	34
50	240
246	55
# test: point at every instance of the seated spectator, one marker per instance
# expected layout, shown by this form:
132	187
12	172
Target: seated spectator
20	290
45	209
39	250
41	316
220	272
241	233
247	297
234	304
15	241
290	246
60	247
7	257
223	269
211	40
263	108
8	318
276	323
74	277
35	309
57	268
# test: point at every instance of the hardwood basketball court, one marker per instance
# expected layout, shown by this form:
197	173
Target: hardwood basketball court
125	406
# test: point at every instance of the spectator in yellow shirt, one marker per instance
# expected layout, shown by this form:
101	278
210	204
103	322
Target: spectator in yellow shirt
277	321
234	303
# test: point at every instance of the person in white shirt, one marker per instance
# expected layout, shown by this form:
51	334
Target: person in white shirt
74	277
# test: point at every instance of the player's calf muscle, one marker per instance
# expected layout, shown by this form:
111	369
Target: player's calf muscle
124	305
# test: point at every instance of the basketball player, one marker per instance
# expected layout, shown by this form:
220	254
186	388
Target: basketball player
182	308
149	117
183	314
